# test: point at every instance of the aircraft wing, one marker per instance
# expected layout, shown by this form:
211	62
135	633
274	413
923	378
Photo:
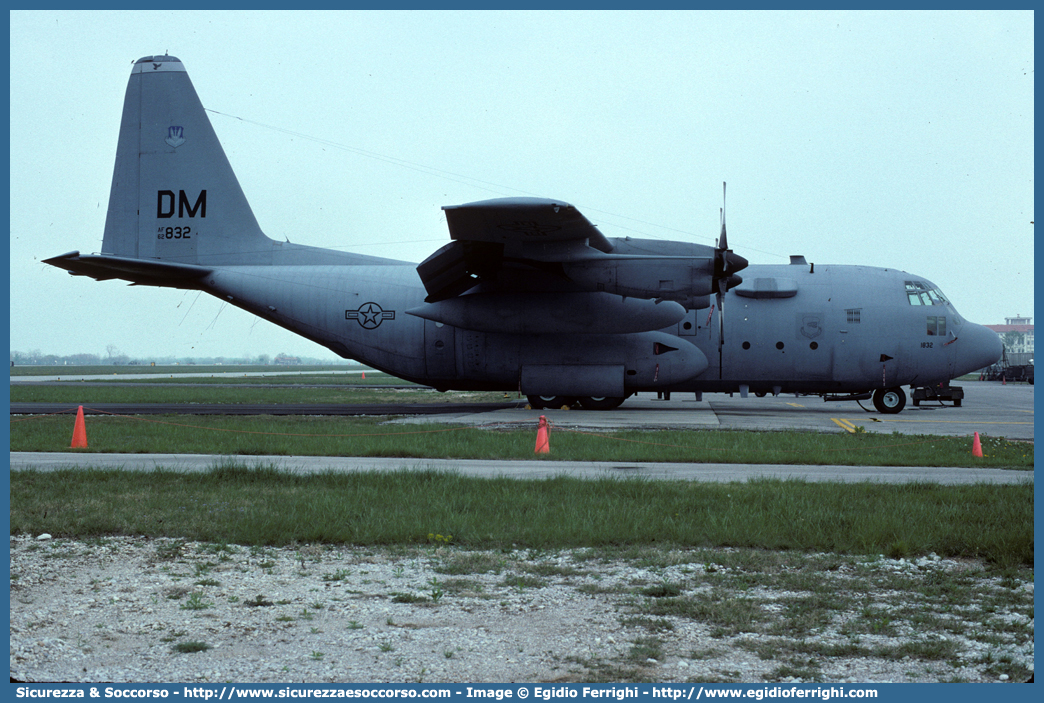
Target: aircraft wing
521	221
525	245
489	233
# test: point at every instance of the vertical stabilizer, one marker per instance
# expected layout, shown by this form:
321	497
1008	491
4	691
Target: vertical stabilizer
174	196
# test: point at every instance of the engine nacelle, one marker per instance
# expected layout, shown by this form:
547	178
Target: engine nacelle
688	281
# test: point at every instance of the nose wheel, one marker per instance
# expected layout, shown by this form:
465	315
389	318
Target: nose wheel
889	401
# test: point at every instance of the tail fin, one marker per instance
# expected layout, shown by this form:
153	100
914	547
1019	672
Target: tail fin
174	197
176	209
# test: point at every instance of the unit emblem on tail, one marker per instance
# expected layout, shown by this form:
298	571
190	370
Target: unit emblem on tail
175	136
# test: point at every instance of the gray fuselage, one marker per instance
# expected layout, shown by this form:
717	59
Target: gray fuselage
790	328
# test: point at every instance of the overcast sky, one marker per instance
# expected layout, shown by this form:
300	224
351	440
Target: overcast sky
898	140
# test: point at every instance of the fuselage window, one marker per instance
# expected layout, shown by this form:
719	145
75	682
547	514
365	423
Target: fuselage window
853	315
936	325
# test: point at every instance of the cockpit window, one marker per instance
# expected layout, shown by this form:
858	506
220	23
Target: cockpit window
919	293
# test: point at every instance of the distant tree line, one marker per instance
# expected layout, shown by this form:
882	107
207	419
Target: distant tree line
114	357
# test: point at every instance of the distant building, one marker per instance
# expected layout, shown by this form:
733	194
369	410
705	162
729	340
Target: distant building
286	360
1016	333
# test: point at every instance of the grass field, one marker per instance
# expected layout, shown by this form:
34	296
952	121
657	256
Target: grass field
245	503
232	385
243	390
367	436
238	504
176	369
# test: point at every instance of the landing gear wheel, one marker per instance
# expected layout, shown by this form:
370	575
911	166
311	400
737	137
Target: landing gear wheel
553	402
889	401
602	403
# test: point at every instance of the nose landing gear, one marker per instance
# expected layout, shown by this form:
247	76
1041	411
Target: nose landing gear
889	401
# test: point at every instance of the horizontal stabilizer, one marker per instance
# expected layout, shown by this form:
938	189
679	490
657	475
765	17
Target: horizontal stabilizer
137	271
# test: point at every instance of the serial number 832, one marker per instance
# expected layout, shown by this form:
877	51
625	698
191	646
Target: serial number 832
174	233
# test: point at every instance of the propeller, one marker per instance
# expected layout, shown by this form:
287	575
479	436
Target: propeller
726	264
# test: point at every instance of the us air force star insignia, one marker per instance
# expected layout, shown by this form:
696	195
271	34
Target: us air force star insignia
370	315
530	228
175	136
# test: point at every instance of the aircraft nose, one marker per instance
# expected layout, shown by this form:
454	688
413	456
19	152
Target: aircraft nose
977	348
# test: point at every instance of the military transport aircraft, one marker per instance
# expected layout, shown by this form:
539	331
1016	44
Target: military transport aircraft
527	296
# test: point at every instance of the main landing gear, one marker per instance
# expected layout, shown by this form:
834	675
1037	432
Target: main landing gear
889	401
539	402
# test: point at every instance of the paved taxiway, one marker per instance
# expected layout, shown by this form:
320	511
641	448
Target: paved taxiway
989	408
528	468
418	409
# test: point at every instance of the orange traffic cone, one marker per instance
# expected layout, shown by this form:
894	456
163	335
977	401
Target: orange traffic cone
364	375
79	439
542	445
976	446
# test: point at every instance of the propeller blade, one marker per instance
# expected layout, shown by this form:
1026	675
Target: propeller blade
722	287
723	242
726	263
721	278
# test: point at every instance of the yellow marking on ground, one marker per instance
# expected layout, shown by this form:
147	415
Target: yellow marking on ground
796	405
944	422
844	424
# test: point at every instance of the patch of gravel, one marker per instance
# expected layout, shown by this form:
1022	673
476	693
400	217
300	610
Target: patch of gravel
117	609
